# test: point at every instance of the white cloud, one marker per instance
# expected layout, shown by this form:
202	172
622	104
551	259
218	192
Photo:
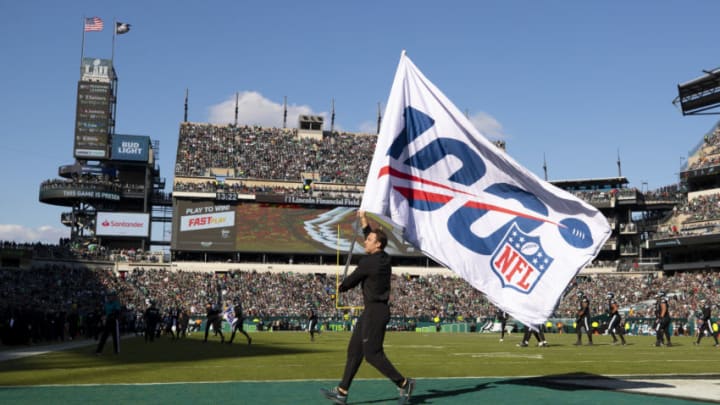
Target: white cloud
488	126
368	127
254	109
22	234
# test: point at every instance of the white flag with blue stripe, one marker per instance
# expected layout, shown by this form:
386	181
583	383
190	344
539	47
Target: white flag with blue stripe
229	314
469	206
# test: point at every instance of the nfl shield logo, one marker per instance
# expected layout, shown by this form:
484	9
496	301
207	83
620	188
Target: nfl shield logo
519	260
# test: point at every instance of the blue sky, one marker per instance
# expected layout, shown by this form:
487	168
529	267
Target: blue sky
573	81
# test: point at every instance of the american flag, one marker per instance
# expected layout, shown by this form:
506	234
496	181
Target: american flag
93	24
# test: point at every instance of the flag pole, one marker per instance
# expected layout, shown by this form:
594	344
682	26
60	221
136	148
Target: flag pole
114	28
82	45
337	274
352	246
347	262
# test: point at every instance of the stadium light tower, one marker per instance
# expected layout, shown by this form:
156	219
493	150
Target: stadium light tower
699	96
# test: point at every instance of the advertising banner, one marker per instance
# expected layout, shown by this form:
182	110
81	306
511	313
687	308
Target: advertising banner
130	147
274	228
204	225
122	224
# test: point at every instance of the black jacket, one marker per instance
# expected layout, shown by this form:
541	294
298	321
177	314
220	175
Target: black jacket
373	272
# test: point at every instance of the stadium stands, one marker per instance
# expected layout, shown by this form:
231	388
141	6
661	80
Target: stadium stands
253	160
251	152
54	296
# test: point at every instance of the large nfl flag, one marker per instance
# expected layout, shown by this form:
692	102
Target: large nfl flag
466	204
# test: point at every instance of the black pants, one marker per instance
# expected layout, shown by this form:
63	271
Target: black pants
312	328
217	325
112	326
616	326
662	331
580	324
150	330
539	335
169	329
239	327
367	342
706	326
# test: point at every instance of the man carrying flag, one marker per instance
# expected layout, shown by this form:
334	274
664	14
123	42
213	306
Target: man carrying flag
472	208
373	274
237	321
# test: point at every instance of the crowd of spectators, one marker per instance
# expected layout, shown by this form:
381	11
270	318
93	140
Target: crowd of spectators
47	304
253	152
595	196
671	194
702	208
272	153
239	187
86	182
93	182
698	216
58	302
674	193
708	152
636	295
66	249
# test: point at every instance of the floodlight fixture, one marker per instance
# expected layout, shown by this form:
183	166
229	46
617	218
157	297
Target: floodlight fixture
701	95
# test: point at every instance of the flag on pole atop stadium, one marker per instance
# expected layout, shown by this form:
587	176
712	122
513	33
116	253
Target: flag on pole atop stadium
469	206
122	28
94	24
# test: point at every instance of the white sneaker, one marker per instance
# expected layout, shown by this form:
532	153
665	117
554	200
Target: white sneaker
406	392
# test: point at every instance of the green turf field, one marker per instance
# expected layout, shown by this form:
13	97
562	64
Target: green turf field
287	368
291	356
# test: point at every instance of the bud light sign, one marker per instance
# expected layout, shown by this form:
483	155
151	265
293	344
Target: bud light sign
130	147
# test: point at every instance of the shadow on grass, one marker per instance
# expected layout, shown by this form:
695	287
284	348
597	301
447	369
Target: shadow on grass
135	351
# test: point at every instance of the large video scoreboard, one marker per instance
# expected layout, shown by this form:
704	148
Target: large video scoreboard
94	109
272	228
